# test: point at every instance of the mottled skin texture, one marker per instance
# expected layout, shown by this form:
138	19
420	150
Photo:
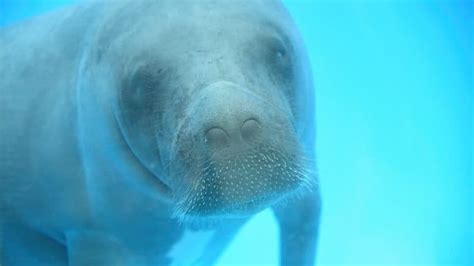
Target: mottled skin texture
126	126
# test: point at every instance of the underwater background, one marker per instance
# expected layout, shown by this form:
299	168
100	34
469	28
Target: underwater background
394	87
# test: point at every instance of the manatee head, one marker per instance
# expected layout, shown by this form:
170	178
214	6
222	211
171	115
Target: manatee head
214	99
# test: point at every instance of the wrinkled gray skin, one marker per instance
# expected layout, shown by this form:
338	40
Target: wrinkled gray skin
128	127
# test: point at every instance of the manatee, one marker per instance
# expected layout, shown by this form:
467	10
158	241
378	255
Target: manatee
130	129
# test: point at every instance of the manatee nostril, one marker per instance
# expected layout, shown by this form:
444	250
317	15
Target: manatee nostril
250	129
216	136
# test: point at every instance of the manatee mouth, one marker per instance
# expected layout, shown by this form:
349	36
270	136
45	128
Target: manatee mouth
243	184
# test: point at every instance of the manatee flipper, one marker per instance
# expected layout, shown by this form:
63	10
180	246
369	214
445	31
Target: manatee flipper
27	246
299	224
96	248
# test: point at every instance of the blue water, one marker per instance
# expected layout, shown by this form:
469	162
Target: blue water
394	83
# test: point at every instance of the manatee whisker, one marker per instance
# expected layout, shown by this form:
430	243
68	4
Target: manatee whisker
234	183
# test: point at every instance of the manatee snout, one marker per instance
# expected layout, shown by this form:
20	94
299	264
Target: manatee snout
230	119
238	153
234	133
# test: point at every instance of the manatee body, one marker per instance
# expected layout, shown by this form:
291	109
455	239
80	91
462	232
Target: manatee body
130	129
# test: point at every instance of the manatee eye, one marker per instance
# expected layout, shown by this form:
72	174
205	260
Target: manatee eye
280	52
139	97
280	59
136	91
